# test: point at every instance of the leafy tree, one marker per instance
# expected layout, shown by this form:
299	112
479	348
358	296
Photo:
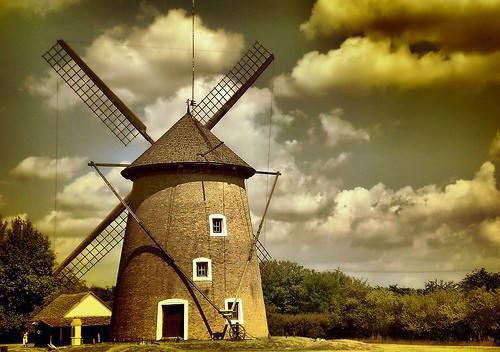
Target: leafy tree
446	309
352	306
321	291
282	283
26	262
379	308
483	313
412	317
480	278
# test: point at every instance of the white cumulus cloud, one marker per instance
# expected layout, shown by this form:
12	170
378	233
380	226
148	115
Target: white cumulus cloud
65	225
408	229
338	130
41	167
363	63
82	204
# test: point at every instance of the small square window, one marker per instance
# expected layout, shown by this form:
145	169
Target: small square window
236	309
234	314
217	225
202	269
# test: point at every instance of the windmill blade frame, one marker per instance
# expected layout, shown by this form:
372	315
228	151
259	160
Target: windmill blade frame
262	253
102	240
212	108
119	119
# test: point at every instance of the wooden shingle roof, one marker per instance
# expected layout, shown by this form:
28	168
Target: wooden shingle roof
188	145
54	313
59	307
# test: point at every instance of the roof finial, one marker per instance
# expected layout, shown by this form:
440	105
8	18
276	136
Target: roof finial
190	105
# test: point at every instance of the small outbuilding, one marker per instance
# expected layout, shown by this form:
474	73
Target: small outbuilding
72	319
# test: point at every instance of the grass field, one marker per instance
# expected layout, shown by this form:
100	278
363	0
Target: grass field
430	348
290	344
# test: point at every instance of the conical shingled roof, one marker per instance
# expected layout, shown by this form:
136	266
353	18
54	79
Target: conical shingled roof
182	146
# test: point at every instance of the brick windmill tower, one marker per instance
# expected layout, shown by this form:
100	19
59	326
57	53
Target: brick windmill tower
189	262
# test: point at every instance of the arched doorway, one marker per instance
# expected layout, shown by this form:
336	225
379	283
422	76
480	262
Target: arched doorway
172	319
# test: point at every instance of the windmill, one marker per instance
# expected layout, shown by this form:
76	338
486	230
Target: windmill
189	261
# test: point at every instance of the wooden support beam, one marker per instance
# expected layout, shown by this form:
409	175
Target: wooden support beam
107	164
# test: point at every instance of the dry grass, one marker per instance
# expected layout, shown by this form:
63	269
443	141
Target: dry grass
434	348
272	344
291	344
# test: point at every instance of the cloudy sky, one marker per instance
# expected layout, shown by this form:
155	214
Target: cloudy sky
384	122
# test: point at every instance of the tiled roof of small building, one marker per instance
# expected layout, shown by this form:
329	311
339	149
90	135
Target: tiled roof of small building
53	314
186	145
60	306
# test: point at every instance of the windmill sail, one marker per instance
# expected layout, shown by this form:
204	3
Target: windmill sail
106	236
233	85
262	253
95	93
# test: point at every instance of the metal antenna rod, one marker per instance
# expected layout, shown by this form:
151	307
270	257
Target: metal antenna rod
192	43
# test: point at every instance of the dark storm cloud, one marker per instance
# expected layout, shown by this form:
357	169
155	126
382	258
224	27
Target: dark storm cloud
470	25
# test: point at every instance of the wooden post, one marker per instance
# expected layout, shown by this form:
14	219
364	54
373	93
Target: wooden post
76	332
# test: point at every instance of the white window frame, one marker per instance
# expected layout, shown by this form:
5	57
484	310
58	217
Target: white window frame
240	319
224	226
209	269
159	316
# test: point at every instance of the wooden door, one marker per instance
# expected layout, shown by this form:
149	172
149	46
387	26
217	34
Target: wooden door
173	320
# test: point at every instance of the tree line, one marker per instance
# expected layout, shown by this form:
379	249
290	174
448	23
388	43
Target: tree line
305	302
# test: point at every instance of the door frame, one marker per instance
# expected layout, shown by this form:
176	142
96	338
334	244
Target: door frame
159	316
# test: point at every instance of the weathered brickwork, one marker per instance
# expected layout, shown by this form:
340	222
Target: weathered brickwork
175	207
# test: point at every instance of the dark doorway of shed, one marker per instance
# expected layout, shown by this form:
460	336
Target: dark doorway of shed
173	320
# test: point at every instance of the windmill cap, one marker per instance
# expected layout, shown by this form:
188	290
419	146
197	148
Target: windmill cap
188	145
